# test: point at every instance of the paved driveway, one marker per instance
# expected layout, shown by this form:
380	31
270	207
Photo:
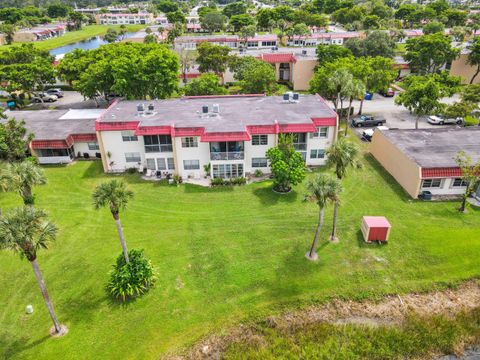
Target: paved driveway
75	100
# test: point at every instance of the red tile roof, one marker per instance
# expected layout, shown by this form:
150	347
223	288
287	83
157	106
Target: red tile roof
444	172
278	58
49	144
225	136
153	130
325	121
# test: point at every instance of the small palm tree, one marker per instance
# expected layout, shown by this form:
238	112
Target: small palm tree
22	177
355	90
322	189
342	155
115	195
26	230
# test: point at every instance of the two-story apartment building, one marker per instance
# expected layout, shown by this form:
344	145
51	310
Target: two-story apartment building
265	41
228	135
142	18
325	38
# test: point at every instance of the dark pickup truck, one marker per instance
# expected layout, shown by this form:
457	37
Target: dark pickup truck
367	120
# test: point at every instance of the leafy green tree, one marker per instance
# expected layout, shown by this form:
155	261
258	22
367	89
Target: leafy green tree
422	15
287	165
176	17
471	93
439	6
405	11
473	58
73	65
76	20
422	94
285	13
176	31
322	189
341	155
11	15
25	231
429	53
247	32
213	21
187	60
111	35
455	17
240	21
235	8
212	58
371	22
150	39
376	43
330	53
433	27
8	30
264	16
206	84
115	195
14	140
256	77
349	15
470	175
166	6
58	10
21	177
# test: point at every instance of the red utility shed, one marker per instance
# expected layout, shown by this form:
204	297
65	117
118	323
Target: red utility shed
375	228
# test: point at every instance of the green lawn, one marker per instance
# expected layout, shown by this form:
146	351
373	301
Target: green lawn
223	255
85	33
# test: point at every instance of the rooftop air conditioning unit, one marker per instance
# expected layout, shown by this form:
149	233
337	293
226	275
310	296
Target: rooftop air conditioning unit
140	108
304	52
286	97
216	108
205	109
151	107
296	97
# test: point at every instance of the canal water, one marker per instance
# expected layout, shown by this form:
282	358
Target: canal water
89	44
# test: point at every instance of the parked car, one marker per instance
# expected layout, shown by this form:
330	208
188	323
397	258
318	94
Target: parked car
367	120
57	92
45	97
387	93
442	120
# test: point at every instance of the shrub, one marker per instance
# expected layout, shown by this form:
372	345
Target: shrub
226	182
133	279
217	182
238	181
258	173
471	121
177	179
131	170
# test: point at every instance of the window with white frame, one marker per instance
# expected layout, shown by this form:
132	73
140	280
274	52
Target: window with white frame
321	132
317	154
151	164
161	165
227	171
191	164
259	162
259	139
129	135
432	183
158	143
93	146
459	182
132	157
189	142
170	164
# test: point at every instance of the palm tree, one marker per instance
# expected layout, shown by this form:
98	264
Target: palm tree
26	230
355	90
321	189
115	195
342	154
22	177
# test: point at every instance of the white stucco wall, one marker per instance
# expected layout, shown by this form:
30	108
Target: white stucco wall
257	151
446	188
200	153
319	143
113	143
82	147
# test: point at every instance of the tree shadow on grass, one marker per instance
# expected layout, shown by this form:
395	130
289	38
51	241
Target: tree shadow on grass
94	170
12	348
83	307
268	197
387	178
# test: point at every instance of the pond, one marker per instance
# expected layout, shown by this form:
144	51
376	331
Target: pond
89	44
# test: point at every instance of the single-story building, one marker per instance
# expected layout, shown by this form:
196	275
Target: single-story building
424	160
61	135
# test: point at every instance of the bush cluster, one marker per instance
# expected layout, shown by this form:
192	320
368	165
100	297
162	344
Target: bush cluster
226	182
130	280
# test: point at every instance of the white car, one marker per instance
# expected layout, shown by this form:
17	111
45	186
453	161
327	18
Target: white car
442	120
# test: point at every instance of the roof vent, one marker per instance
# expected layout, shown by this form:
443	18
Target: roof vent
151	107
216	108
205	109
140	108
296	97
286	97
304	52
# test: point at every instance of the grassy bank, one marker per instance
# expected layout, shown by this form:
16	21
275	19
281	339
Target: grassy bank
71	37
418	337
223	255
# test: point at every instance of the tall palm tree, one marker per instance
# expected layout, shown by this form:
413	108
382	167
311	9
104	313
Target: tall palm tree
321	189
22	177
115	195
26	230
355	90
342	155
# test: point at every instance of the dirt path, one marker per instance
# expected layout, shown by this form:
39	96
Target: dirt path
389	311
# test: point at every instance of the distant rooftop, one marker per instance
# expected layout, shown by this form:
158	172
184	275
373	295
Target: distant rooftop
431	148
57	124
236	112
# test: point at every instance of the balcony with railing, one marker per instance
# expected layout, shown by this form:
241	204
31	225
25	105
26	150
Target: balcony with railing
227	150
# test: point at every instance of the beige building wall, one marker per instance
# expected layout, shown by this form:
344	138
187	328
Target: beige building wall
404	170
2	39
461	68
303	71
24	37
